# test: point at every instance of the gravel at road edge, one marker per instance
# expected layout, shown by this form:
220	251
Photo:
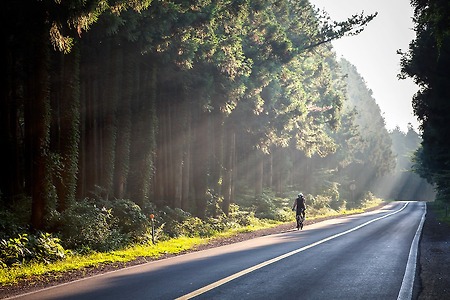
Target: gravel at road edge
434	259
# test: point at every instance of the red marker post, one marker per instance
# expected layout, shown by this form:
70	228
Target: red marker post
152	216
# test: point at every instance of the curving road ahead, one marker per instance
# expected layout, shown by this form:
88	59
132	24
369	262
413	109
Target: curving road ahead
366	256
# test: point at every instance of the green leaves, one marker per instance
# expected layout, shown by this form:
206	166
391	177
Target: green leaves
25	248
427	63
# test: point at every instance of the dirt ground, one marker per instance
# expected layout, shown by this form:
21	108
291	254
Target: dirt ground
433	267
434	259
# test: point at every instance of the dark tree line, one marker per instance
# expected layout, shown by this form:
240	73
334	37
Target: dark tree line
166	102
427	63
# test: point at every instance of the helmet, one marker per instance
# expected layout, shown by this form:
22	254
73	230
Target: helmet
300	195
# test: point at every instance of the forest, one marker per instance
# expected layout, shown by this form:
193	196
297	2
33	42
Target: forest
426	63
193	111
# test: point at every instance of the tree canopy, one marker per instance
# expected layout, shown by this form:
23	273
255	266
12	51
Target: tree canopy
426	63
179	104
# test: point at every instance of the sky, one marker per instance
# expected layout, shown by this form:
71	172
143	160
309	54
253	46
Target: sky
374	53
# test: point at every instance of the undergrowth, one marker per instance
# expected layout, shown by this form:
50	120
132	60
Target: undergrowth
443	211
175	231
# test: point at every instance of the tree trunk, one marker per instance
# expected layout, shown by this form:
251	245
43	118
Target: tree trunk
259	172
143	137
200	160
228	171
65	126
122	158
186	171
10	172
37	123
109	99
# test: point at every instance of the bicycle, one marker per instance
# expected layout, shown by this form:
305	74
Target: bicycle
299	222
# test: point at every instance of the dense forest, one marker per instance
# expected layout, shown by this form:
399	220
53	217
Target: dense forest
112	110
426	63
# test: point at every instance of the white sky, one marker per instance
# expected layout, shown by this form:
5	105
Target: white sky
374	53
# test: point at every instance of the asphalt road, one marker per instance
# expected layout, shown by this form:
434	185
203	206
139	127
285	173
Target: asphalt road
362	256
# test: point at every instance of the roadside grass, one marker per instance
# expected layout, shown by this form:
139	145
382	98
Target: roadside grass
12	275
443	211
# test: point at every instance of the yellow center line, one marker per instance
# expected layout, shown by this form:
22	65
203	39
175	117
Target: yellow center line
273	260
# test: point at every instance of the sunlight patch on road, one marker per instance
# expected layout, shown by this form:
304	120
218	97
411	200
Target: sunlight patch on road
276	259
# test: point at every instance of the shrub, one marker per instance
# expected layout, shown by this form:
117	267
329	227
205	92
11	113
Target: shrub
9	225
196	227
83	224
320	202
241	218
264	207
285	215
170	219
24	248
129	218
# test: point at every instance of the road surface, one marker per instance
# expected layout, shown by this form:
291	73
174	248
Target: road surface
365	256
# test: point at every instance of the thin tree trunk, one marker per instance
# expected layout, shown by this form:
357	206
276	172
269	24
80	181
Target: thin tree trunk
228	171
109	100
259	171
186	171
200	159
122	163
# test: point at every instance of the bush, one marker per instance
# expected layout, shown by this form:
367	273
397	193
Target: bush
241	218
284	215
9	225
83	224
264	207
25	248
196	227
170	219
129	218
14	219
320	202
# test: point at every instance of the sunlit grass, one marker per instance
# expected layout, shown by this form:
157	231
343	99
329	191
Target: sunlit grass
325	212
75	262
176	245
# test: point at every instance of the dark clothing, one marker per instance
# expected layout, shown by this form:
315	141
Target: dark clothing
300	205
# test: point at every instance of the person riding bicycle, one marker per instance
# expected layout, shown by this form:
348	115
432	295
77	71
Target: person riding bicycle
300	205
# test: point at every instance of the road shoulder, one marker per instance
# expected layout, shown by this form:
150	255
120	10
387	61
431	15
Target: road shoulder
434	259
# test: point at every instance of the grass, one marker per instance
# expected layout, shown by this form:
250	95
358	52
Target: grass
443	211
9	276
74	262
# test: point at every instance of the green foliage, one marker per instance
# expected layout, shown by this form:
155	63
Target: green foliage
100	225
9	225
174	72
427	62
129	218
84	224
26	248
264	207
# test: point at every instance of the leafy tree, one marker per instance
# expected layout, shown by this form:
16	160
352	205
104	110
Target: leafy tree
165	102
375	157
403	184
426	63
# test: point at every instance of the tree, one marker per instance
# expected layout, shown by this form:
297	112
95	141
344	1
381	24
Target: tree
426	63
375	158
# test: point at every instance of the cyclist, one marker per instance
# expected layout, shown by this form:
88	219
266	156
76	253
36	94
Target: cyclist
300	205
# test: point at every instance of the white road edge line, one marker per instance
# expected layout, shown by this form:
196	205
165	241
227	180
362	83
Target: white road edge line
407	287
273	260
